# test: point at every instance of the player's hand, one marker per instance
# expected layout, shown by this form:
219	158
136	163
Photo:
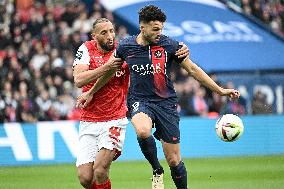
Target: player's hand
183	52
114	63
231	93
84	99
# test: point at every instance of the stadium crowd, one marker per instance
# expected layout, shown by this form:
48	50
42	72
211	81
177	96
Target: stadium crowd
38	42
269	12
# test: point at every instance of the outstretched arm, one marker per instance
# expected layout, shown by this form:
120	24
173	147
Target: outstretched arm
197	73
84	99
83	76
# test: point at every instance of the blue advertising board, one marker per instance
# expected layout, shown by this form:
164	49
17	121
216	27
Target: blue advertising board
55	142
270	85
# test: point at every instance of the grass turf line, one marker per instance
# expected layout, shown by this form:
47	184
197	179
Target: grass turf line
265	172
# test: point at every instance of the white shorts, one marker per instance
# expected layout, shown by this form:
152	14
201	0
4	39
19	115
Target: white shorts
94	136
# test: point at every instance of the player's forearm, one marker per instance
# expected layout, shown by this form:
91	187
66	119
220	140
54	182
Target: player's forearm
197	73
86	77
205	80
102	81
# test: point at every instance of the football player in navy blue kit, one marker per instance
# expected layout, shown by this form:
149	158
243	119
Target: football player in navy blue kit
152	99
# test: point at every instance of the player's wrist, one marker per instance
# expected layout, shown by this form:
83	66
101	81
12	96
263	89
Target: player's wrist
184	59
91	92
106	67
221	91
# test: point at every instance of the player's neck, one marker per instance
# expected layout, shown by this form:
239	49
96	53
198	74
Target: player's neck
141	40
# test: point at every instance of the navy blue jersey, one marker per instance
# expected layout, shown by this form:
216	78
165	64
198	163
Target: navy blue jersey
149	68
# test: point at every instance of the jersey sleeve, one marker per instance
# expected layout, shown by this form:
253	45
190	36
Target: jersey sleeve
120	52
174	47
82	56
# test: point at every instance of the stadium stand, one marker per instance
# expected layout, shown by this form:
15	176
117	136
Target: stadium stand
37	49
268	12
38	41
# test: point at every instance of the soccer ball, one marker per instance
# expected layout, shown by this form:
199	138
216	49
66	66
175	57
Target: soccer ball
229	127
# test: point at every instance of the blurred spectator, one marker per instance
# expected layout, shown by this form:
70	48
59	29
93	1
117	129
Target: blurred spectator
70	14
200	106
55	59
44	102
82	23
215	104
121	33
214	100
52	35
246	7
237	107
76	41
39	58
97	7
259	104
2	109
35	24
4	39
185	93
256	9
233	107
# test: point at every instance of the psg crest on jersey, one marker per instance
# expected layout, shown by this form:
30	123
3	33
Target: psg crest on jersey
158	54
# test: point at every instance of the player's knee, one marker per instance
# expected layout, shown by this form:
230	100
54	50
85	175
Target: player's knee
173	160
143	133
85	179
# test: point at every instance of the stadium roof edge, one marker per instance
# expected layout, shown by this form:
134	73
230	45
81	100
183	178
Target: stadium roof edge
114	4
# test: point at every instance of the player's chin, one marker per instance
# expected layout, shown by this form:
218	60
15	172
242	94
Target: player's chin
154	42
108	47
111	47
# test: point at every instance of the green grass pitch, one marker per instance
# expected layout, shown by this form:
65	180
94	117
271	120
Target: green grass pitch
265	172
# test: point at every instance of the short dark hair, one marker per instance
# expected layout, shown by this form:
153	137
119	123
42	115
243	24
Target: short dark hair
98	21
151	13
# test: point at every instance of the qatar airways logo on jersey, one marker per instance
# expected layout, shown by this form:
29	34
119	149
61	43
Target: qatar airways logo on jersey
147	69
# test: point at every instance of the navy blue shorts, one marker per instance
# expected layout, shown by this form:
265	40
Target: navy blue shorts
164	116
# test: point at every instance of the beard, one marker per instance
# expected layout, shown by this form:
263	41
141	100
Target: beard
106	46
149	39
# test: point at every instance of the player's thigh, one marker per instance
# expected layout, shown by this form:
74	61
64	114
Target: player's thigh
141	117
112	137
172	153
166	123
142	124
88	143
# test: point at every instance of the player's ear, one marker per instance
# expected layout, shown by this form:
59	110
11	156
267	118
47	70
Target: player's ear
141	26
93	35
